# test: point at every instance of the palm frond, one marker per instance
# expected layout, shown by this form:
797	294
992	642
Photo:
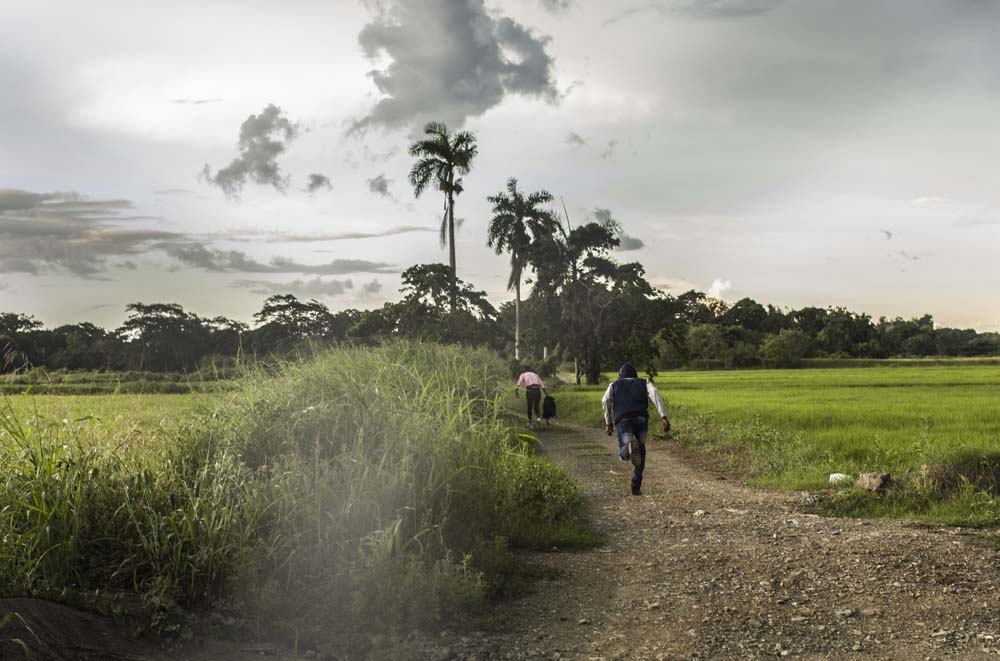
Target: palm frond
420	176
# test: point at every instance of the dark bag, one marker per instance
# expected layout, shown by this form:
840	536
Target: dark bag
549	407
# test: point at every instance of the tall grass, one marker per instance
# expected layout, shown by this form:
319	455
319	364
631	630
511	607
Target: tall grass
359	491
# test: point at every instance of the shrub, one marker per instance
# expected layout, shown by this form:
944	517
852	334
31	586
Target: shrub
345	494
786	349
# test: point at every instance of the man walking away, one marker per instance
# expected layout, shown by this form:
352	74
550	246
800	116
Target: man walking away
625	403
533	389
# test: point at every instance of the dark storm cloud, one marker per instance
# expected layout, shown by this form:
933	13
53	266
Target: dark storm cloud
318	182
66	231
450	61
346	236
263	138
576	139
701	9
336	267
380	186
569	88
629	243
17	265
626	242
371	288
200	256
317	287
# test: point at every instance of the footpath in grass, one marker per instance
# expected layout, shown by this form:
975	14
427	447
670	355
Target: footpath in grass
936	429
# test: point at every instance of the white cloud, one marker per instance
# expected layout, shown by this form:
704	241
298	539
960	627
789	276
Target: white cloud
719	287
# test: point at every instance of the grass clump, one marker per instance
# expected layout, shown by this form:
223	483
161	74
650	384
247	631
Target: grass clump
360	490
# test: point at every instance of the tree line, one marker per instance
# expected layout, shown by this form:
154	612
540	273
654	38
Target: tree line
599	322
584	307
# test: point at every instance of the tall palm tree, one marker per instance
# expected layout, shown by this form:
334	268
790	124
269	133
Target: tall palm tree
443	159
517	221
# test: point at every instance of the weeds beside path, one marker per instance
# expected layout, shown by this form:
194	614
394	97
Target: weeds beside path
702	567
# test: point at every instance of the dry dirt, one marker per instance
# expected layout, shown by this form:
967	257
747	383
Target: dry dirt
703	567
697	567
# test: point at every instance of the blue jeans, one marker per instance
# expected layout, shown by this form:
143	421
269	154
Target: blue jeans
629	428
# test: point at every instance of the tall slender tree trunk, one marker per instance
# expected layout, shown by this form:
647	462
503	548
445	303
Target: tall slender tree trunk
517	318
451	245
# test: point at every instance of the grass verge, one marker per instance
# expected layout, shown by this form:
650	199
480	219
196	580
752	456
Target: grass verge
359	491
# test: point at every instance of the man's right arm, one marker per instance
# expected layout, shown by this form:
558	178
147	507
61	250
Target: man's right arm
607	404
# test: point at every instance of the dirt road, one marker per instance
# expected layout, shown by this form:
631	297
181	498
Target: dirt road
701	567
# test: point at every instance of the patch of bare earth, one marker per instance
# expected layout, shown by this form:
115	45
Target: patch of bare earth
701	567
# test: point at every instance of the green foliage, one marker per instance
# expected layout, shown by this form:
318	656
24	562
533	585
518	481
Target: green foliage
348	493
786	349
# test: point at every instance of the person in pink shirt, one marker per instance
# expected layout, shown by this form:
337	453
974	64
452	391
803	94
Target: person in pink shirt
533	389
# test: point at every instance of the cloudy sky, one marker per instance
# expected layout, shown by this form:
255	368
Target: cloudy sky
211	153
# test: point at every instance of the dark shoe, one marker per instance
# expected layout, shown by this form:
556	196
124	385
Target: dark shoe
636	491
633	450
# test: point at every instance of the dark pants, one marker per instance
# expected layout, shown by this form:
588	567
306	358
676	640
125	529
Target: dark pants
628	428
534	398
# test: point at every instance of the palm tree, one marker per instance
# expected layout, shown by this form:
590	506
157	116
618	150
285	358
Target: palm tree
443	159
517	221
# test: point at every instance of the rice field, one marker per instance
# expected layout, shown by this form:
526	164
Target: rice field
792	428
147	411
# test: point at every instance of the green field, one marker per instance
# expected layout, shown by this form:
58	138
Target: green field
43	382
340	500
938	426
146	411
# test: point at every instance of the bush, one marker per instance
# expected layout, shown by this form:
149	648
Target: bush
786	349
346	494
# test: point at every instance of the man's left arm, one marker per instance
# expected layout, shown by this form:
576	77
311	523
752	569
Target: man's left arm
660	405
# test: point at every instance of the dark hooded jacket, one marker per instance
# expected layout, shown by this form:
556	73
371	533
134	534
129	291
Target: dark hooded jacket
629	397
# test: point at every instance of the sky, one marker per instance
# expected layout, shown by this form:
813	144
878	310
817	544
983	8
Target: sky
213	153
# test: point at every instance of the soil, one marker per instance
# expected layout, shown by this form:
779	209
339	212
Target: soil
702	567
698	567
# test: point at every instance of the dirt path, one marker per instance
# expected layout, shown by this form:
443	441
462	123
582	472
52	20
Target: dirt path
700	567
697	567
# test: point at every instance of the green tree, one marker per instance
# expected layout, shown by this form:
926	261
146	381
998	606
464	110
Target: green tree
517	221
443	159
706	344
165	336
284	320
747	313
425	311
786	349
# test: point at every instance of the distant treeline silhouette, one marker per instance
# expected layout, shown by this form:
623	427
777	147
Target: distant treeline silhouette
597	322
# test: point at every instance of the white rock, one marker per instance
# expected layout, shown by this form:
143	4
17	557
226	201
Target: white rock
837	478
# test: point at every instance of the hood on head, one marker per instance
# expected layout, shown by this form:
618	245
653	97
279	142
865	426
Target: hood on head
626	371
